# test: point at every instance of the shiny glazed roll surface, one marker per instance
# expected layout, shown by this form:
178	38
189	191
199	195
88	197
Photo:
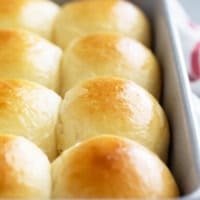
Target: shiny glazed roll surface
24	55
79	18
112	106
109	54
30	110
111	167
34	15
25	169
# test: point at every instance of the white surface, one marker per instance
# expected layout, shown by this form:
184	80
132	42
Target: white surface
193	8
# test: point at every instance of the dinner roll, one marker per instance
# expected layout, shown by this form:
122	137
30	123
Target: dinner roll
30	110
112	106
25	169
33	15
111	167
25	55
104	54
83	17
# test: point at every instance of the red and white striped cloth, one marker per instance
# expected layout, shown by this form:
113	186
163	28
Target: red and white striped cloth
190	38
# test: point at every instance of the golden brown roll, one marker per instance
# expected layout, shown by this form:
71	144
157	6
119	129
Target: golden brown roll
112	106
34	15
25	55
25	169
111	167
83	17
30	110
109	54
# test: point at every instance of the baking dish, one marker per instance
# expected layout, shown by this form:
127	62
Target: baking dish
185	143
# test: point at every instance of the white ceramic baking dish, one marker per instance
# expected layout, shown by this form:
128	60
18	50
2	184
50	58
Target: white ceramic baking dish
184	160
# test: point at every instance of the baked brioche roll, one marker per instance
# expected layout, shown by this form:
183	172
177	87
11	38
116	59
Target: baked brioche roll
24	55
111	167
112	106
83	17
34	15
25	169
109	54
30	110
